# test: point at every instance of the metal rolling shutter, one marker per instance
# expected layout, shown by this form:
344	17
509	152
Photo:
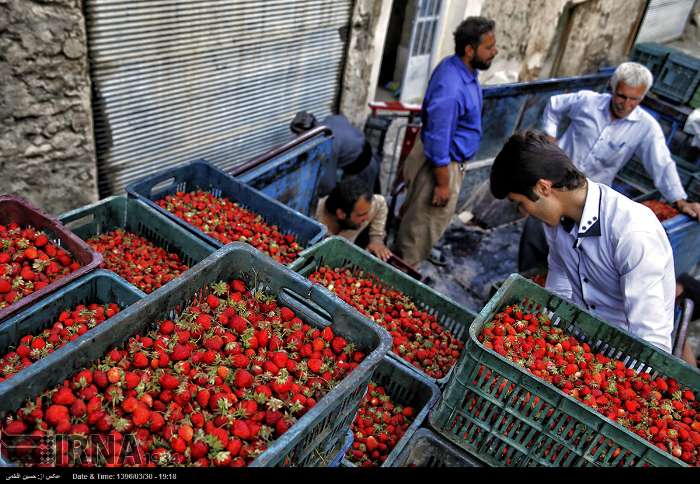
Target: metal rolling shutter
664	20
178	80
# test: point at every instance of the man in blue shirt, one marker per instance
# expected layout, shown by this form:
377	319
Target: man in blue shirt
451	133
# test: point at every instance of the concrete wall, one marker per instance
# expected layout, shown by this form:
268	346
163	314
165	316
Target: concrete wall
582	34
47	153
368	31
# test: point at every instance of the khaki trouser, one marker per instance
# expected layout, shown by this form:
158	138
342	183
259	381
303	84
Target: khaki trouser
422	224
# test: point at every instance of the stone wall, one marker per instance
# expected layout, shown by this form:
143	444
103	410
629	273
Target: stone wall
531	33
368	31
47	153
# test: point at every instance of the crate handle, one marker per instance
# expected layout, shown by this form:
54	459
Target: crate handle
304	306
162	185
80	221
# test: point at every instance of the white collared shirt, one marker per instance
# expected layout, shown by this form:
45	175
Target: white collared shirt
599	146
617	264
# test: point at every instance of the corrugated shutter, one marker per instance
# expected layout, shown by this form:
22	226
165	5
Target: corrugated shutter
177	80
664	20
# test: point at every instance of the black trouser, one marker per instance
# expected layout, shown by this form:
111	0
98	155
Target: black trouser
533	246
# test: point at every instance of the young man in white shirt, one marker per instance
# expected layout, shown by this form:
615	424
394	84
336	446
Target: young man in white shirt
607	253
350	208
605	132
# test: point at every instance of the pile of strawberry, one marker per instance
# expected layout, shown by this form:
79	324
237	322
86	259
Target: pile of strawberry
227	222
29	261
71	324
214	387
539	279
379	425
662	210
657	409
417	336
137	260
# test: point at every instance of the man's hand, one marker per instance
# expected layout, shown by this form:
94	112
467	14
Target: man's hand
441	195
692	209
441	192
380	250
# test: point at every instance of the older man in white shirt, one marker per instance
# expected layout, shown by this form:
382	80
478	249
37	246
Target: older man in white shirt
605	132
607	254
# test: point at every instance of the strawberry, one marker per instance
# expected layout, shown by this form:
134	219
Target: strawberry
16	427
169	381
56	414
64	396
242	378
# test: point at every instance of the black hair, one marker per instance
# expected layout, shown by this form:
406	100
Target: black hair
527	157
346	194
470	32
303	122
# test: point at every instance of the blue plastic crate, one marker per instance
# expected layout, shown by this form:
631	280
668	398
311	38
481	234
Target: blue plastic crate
652	55
679	77
349	439
408	388
292	176
634	173
683	232
629	189
200	175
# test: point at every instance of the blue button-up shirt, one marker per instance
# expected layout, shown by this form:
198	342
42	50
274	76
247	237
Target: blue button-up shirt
600	145
617	263
451	113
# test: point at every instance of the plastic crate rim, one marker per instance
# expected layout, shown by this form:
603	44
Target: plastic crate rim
204	163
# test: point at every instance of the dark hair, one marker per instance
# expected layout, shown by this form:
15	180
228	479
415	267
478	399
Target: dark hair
303	122
470	32
346	194
527	157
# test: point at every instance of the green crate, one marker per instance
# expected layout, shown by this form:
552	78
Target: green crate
407	388
652	55
695	100
427	449
100	286
136	217
338	252
482	430
634	173
312	440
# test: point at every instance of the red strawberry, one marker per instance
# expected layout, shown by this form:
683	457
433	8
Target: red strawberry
169	381
242	378
315	365
56	414
64	396
286	314
213	301
16	427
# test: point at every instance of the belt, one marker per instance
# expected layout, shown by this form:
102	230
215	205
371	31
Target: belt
462	165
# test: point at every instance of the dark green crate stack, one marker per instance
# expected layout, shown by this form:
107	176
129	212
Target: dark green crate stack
535	424
313	440
407	388
652	55
679	77
695	100
338	252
